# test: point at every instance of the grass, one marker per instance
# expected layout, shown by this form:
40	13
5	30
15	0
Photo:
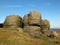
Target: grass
14	37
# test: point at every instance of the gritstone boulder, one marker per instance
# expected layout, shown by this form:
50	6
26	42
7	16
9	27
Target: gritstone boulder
13	21
34	18
34	31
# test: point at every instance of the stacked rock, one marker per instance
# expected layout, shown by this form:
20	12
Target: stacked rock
32	23
45	25
34	18
13	21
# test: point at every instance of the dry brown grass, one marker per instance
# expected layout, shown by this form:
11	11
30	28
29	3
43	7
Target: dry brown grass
14	37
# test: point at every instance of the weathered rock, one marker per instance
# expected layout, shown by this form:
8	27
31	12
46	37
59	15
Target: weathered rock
44	30
13	21
54	34
34	18
34	31
25	20
45	23
31	23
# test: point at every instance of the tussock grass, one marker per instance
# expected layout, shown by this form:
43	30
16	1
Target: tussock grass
14	37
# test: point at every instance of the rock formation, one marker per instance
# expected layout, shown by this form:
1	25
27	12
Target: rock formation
45	25
25	20
32	23
34	18
34	31
53	34
13	21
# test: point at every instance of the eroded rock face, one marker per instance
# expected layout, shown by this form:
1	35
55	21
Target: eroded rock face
34	31
44	30
13	21
34	18
25	20
32	23
20	30
54	34
45	25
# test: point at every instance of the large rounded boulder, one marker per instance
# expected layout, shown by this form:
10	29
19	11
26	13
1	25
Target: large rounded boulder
45	25
13	21
54	34
34	18
34	31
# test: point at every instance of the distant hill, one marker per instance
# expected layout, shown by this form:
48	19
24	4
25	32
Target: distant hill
54	29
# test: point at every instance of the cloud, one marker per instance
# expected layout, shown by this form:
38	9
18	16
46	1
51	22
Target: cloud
13	6
9	6
47	4
32	5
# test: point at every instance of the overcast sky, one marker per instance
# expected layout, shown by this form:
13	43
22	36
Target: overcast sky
49	9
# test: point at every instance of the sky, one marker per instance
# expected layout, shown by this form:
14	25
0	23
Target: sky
49	9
